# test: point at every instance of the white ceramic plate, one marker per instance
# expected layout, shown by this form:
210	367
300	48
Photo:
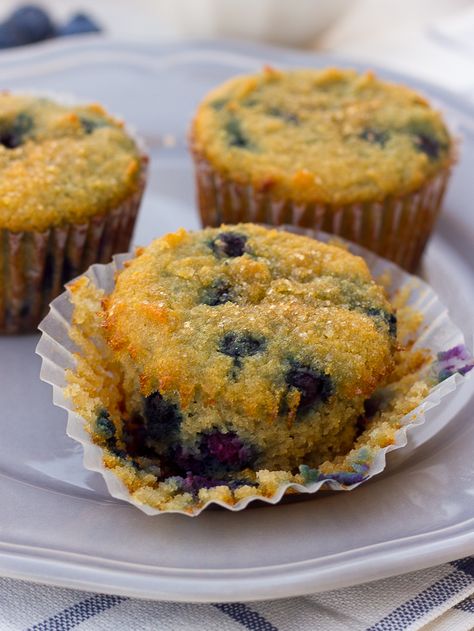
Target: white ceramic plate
57	523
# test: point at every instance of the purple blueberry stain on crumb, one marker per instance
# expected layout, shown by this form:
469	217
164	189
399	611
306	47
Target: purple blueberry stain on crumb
360	470
194	483
455	360
457	352
217	453
228	449
346	478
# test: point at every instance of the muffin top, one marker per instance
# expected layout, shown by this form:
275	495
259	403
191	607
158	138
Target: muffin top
333	136
249	321
61	164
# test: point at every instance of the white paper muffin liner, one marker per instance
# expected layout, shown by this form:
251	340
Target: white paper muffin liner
437	333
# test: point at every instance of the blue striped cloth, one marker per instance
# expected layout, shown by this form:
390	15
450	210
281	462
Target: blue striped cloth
437	599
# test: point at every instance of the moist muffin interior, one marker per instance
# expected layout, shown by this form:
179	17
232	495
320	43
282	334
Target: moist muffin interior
333	136
227	361
61	164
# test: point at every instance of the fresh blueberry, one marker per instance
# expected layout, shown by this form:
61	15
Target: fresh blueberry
389	319
235	134
78	25
239	345
26	25
315	386
193	483
288	117
375	136
163	418
227	449
7	37
428	145
230	244
217	293
13	135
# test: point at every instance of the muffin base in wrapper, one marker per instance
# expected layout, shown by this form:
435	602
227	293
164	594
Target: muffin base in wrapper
36	265
437	333
397	228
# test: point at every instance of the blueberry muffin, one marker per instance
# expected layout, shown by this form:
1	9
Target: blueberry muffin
333	150
71	180
227	361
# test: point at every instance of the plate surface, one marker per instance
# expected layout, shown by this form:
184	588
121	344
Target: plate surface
58	525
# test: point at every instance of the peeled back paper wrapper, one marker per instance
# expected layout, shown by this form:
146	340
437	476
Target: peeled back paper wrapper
449	362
